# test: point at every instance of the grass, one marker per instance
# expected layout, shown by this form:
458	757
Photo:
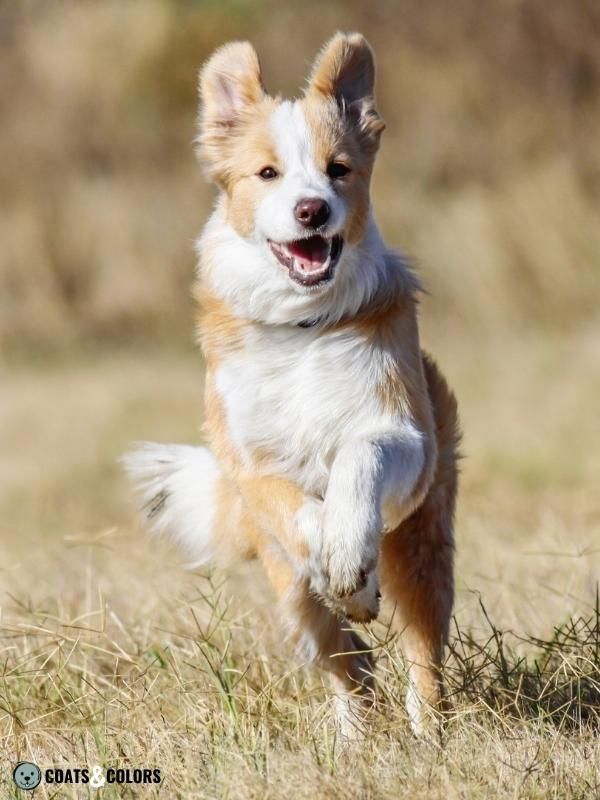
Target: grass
223	714
112	654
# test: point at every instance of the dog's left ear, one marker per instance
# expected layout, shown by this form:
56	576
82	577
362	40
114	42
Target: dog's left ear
345	70
230	84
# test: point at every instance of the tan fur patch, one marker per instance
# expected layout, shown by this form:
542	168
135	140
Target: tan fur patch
218	329
274	503
235	530
252	149
240	156
345	63
334	140
416	575
345	71
220	333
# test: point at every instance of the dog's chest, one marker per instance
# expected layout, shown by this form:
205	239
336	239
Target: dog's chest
293	396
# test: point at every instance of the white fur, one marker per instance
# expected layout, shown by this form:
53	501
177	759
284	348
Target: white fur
415	707
300	179
368	469
309	527
248	277
177	486
302	394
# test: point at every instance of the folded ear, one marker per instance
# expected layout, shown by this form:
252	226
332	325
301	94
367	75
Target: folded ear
230	83
345	70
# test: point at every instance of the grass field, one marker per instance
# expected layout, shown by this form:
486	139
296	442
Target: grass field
489	176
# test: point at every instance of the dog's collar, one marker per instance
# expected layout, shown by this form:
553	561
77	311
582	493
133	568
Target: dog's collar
405	286
377	303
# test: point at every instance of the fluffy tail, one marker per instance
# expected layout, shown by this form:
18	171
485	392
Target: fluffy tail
179	489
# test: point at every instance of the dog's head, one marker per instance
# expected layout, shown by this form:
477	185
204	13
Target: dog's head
295	174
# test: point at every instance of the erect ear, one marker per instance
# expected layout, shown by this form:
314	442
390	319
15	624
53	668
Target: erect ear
345	70
230	83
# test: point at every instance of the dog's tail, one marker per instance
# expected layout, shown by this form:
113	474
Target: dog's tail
183	497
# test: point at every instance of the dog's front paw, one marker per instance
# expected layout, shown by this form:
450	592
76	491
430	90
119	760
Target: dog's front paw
347	572
351	532
363	606
341	569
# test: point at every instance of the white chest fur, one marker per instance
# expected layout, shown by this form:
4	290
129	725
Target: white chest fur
297	395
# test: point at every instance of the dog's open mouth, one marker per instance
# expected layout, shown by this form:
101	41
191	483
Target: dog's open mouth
309	261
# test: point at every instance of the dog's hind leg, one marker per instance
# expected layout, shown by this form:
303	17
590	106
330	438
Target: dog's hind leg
416	576
322	638
284	526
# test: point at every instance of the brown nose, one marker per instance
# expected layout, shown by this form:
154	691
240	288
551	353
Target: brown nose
312	212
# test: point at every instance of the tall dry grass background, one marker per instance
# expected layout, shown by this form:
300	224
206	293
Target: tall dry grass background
489	176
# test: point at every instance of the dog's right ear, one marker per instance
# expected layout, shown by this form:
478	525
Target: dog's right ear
230	84
345	70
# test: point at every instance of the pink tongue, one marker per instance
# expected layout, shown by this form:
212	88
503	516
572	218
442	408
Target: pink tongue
310	254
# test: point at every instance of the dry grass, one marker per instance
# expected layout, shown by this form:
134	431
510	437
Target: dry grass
109	652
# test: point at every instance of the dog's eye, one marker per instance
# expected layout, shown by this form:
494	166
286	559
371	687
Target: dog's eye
335	170
268	173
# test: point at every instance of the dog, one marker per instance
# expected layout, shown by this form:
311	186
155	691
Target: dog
333	436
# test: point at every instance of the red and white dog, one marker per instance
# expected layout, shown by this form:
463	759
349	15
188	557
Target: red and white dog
332	435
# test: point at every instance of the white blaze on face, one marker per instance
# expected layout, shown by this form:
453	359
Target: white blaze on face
300	179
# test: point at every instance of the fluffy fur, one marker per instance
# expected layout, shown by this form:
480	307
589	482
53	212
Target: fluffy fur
333	437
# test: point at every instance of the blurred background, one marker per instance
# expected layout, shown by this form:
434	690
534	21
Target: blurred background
489	177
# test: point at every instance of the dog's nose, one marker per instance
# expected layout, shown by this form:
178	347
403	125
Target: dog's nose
311	212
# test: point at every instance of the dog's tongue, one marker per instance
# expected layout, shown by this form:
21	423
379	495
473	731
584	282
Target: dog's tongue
309	254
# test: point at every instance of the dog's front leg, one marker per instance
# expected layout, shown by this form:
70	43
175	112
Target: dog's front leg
371	476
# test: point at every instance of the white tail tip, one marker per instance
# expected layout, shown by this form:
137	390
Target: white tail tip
177	485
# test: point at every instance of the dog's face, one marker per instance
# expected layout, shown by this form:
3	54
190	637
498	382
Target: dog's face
295	174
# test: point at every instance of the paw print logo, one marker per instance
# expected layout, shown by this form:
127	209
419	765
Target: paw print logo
27	775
